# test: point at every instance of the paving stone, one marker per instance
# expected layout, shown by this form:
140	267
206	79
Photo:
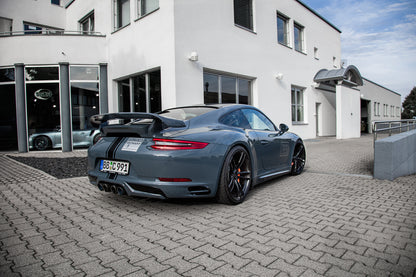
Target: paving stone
329	220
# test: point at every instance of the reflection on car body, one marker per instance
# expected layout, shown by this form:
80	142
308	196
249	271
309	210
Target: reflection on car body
216	151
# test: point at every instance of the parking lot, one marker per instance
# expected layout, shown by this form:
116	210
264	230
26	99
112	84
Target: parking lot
333	220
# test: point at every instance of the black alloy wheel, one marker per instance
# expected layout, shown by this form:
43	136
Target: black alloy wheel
299	159
235	177
41	143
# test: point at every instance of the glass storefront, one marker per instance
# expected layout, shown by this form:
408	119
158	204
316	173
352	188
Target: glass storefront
43	115
85	103
8	130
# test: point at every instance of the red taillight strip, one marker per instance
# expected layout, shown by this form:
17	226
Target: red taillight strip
173	144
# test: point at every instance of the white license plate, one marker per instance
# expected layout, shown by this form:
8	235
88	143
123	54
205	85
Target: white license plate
115	167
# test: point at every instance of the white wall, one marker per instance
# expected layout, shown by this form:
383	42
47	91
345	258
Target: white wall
207	27
40	12
379	94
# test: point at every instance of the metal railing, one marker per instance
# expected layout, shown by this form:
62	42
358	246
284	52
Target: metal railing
392	127
49	33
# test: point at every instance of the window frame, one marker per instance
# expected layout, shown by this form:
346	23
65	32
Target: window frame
250	26
148	92
301	39
139	8
296	105
118	15
90	20
237	78
286	24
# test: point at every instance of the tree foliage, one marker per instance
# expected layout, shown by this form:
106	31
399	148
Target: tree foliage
409	105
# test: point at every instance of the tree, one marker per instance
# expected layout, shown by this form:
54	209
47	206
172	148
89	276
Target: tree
409	105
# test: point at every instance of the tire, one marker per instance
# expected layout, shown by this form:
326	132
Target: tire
235	178
41	143
298	160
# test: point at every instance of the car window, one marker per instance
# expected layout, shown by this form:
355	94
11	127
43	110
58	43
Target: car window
235	119
258	121
185	113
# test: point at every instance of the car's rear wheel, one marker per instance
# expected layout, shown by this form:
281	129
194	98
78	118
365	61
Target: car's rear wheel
299	159
235	177
41	143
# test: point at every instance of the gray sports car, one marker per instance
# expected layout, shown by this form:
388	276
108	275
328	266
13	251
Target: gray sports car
216	151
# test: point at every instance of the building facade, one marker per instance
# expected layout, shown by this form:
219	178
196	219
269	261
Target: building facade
97	56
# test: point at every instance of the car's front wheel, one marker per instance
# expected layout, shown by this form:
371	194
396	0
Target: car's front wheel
235	177
41	143
299	159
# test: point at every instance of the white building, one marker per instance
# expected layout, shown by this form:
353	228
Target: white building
94	56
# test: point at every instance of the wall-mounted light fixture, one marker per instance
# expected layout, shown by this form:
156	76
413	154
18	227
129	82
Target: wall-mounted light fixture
193	57
279	76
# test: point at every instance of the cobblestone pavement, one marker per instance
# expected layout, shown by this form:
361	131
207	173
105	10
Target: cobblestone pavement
332	220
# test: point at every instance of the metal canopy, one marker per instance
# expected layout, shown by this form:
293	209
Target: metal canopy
349	76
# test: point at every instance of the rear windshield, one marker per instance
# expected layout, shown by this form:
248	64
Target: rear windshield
186	113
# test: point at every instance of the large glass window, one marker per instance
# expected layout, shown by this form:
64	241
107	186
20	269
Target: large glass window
87	24
146	6
42	73
282	29
211	89
121	13
8	130
43	115
226	89
299	38
124	96
85	103
297	105
144	89
243	13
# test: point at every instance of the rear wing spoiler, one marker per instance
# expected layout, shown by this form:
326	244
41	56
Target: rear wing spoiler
100	119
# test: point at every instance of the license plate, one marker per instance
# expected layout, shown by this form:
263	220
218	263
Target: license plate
115	167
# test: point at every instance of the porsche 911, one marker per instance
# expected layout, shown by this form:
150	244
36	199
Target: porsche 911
212	151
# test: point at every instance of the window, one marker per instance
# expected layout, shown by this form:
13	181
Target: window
56	2
144	90
397	111
226	89
121	13
299	38
146	6
258	121
243	13
30	28
282	29
84	101
316	53
375	108
297	105
6	26
235	119
87	23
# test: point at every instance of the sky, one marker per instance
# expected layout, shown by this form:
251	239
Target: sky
378	37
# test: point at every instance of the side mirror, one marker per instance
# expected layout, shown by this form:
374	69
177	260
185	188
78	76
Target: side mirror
283	128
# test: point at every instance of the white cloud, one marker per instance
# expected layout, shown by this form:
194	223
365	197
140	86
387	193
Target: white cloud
379	37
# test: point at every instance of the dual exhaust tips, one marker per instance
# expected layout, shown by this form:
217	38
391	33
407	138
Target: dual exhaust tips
113	188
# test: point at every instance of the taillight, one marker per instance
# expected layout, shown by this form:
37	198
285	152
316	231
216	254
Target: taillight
173	144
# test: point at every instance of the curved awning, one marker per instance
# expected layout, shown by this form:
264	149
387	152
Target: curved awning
349	76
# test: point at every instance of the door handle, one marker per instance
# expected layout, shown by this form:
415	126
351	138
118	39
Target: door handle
264	142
